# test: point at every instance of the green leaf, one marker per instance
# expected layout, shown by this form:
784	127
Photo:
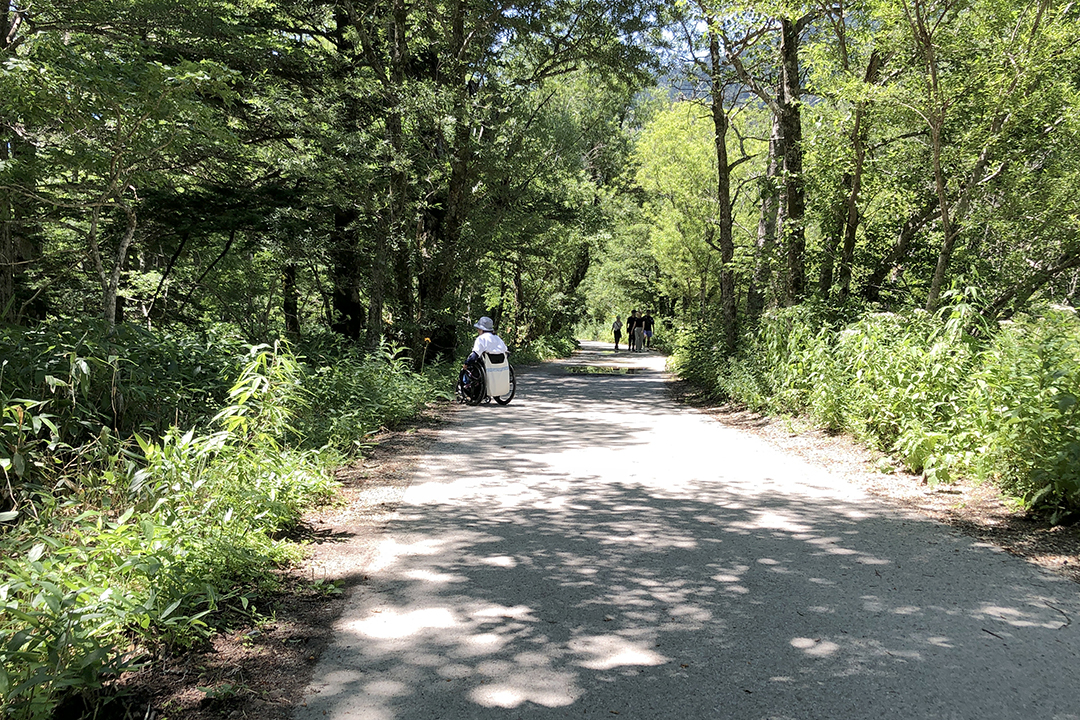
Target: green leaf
36	552
169	610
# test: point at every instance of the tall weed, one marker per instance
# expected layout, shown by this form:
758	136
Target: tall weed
1023	409
352	395
999	404
148	536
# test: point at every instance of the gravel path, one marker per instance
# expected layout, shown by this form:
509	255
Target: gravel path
594	550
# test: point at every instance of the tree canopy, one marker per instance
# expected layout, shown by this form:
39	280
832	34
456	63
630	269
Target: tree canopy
385	169
377	169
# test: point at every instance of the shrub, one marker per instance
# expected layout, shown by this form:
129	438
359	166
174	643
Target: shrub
942	392
1022	408
351	395
695	356
127	380
146	537
70	391
543	348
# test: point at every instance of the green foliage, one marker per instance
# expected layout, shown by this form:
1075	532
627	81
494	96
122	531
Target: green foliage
544	348
944	399
894	380
188	528
695	357
143	539
61	618
675	170
88	378
70	392
1022	407
352	395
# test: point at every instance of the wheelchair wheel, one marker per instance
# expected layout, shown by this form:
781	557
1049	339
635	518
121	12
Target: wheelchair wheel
505	399
470	387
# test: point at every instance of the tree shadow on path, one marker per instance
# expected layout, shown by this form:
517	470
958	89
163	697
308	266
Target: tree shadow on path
597	552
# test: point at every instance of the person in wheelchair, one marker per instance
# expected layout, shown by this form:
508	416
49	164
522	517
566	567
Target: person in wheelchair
486	342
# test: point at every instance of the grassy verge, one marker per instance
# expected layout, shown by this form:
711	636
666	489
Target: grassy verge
121	534
543	348
943	393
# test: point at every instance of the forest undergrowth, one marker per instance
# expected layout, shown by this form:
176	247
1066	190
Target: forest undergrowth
946	394
150	482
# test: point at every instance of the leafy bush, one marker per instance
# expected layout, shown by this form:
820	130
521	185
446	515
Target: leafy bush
352	395
1022	408
1000	405
895	381
127	380
695	356
143	538
543	348
184	531
68	391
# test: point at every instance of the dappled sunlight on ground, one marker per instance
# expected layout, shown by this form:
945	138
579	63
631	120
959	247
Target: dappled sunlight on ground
590	550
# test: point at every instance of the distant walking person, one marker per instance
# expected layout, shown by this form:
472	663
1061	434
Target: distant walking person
639	333
616	330
647	328
633	324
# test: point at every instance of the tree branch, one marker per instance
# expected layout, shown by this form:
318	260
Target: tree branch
1023	290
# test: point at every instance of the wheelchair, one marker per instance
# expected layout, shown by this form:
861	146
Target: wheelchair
490	379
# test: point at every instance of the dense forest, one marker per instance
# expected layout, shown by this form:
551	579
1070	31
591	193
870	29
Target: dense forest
236	238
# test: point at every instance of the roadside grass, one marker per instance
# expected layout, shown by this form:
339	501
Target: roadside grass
543	348
123	534
944	393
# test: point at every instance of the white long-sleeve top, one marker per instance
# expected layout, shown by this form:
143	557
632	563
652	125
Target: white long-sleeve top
488	342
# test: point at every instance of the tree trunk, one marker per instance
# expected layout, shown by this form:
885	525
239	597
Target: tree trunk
728	301
858	141
949	241
794	186
109	274
519	304
290	299
766	233
376	290
832	229
872	289
391	229
444	220
7	250
7	218
851	222
404	285
1022	291
349	311
922	29
20	242
159	291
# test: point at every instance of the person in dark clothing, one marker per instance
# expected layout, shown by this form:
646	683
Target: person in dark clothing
647	328
616	330
632	323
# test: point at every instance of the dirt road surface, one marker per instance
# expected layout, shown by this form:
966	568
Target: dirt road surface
594	550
